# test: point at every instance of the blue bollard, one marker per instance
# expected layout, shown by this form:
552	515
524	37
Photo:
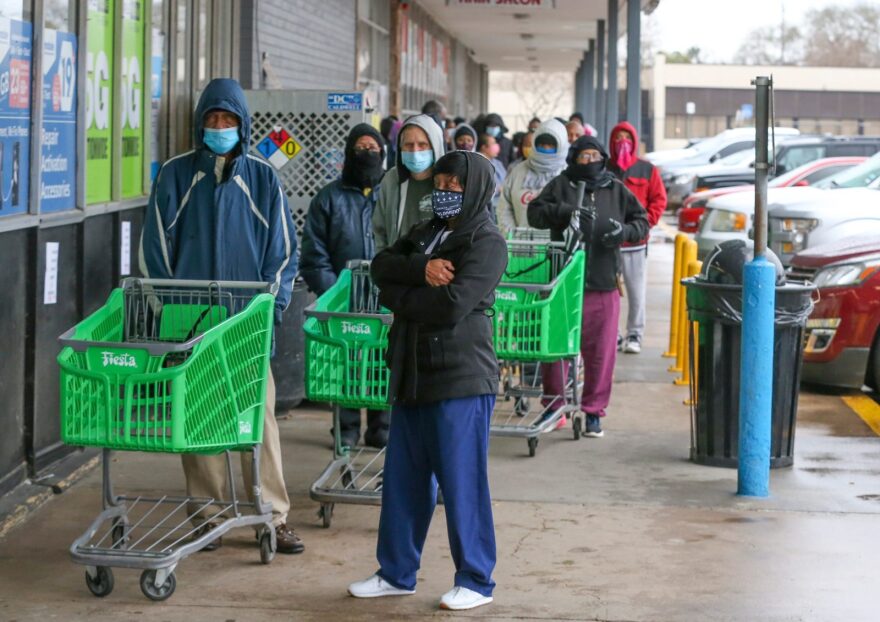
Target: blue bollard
756	378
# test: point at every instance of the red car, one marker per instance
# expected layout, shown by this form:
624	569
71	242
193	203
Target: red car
806	175
843	332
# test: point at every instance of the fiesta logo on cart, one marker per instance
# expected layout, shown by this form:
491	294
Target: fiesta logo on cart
356	328
507	296
114	359
245	427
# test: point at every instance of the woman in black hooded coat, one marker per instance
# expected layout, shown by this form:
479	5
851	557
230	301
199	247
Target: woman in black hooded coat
439	281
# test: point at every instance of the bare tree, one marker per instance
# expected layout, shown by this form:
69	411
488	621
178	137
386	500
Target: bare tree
838	36
771	45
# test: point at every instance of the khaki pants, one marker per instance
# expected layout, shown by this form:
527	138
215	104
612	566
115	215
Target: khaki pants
206	475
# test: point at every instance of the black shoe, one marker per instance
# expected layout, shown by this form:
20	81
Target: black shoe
213	545
376	438
288	542
347	438
594	427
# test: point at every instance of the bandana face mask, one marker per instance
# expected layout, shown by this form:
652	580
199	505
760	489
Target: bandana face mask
446	203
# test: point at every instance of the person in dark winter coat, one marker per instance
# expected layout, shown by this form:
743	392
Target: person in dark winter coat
439	281
496	129
611	217
642	179
339	229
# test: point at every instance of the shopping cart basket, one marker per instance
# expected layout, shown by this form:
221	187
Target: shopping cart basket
168	366
346	338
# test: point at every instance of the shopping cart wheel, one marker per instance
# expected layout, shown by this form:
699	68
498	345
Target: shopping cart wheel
326	513
533	446
267	551
576	427
102	584
148	586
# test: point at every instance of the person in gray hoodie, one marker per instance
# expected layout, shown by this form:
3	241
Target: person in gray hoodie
404	198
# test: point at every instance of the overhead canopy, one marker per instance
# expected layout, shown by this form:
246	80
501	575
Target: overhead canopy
530	35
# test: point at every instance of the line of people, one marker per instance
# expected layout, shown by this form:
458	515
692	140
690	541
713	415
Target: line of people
434	224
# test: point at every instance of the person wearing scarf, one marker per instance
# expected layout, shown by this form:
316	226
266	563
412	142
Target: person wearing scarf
611	216
642	179
465	138
439	280
544	161
339	229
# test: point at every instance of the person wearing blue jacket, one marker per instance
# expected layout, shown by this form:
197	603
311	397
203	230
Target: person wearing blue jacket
339	229
219	213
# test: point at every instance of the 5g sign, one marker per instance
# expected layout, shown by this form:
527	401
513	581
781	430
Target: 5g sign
131	93
97	91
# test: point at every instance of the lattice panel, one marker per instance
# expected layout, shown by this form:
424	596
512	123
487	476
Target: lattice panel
322	137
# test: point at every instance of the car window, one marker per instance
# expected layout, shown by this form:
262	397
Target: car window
796	156
858	176
735	148
828	171
849	150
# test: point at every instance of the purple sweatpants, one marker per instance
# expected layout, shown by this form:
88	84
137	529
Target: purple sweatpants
598	349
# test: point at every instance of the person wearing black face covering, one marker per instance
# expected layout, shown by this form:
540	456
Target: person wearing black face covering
339	229
439	281
611	216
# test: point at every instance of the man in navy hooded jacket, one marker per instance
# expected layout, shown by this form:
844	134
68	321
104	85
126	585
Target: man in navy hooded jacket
219	213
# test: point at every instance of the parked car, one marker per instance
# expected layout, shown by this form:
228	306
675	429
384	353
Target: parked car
807	175
677	166
798	217
842	347
791	153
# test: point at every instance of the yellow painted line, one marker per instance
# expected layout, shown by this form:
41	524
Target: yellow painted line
866	408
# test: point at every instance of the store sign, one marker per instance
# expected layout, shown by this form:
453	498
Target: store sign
99	101
15	115
344	101
505	4
58	138
133	72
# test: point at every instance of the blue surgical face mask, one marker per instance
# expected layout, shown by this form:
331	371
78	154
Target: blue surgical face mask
417	161
221	141
493	131
545	149
446	203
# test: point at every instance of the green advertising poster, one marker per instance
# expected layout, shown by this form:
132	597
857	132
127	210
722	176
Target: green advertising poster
99	100
133	98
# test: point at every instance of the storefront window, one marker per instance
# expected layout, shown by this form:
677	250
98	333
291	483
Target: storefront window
132	104
99	101
58	137
15	106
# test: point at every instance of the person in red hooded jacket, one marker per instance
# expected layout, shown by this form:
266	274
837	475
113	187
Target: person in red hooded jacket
642	179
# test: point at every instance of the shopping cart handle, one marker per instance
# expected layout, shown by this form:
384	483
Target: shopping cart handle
260	286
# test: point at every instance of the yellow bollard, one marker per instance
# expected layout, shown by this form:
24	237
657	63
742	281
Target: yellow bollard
689	255
692	363
680	240
680	304
693	269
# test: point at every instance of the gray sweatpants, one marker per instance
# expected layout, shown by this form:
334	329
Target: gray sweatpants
635	267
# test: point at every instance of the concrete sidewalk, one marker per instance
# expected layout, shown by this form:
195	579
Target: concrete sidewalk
623	528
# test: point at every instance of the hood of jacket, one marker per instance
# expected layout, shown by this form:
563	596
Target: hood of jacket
223	94
348	166
495	119
623	125
464	128
478	192
435	137
549	162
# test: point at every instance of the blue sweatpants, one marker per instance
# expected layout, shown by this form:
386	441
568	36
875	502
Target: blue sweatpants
445	443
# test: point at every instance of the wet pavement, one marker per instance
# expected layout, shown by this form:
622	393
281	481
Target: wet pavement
622	528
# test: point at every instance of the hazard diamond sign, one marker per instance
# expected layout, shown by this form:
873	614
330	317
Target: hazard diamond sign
279	147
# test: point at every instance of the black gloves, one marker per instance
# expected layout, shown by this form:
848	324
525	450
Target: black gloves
614	236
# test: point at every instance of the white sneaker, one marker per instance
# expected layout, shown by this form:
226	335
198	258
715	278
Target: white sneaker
459	598
632	345
374	587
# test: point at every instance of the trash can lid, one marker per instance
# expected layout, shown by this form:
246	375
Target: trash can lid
726	262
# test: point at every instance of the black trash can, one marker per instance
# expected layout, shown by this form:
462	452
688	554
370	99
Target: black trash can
288	364
715	360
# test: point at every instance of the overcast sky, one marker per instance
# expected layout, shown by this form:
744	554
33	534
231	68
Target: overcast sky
718	28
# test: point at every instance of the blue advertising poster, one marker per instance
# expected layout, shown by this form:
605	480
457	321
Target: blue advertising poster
58	174
158	45
15	113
